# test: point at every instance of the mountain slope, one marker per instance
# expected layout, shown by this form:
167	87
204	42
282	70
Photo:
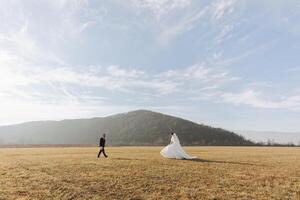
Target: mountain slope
133	128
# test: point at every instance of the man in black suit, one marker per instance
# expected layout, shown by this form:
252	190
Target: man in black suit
102	145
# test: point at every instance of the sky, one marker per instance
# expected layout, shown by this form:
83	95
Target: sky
233	64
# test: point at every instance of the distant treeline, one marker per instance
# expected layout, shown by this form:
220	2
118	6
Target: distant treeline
273	143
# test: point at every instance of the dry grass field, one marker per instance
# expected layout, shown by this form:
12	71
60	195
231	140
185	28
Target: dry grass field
140	173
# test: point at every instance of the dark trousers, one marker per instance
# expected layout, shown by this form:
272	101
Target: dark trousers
102	151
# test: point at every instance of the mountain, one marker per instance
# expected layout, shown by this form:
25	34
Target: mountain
140	127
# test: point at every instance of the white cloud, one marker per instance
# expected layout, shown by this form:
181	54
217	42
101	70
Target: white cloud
43	94
169	17
199	73
255	99
110	78
214	12
248	97
193	72
40	76
65	84
187	23
116	71
161	7
294	69
225	33
222	7
291	102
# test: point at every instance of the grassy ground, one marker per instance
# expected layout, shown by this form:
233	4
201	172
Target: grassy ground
140	173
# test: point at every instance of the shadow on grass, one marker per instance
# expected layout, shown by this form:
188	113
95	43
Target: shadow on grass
199	160
127	159
223	162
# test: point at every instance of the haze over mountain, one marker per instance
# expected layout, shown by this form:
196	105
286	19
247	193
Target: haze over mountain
140	127
274	136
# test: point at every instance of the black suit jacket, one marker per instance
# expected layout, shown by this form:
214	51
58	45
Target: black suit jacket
102	142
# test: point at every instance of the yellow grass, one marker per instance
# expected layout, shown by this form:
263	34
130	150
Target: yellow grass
140	173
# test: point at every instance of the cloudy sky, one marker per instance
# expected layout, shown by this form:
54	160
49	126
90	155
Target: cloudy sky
228	63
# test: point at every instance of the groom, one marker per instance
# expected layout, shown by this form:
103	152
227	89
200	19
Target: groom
102	145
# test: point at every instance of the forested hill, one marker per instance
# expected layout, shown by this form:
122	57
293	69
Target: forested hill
140	127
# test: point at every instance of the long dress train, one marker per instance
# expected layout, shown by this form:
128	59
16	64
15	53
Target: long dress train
174	150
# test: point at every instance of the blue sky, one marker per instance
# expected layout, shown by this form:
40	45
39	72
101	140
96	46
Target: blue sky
228	63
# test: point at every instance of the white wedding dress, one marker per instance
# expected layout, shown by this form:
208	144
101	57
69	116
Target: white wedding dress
174	150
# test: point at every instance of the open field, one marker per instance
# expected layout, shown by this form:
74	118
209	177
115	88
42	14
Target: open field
140	173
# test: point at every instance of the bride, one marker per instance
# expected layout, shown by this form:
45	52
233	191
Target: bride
174	150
